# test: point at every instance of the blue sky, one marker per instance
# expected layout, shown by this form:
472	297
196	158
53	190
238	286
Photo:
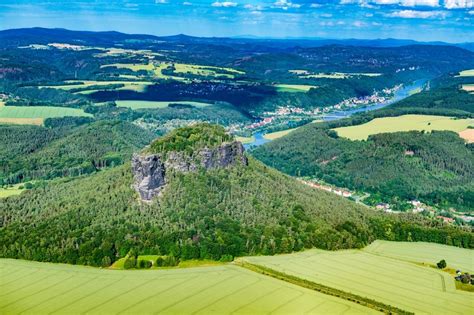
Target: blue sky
427	20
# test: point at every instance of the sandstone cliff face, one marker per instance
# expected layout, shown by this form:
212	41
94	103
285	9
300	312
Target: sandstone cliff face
150	170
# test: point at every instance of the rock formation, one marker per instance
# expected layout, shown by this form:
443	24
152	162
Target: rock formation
150	170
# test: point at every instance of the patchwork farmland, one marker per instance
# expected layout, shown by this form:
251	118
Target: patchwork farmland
389	280
40	288
404	123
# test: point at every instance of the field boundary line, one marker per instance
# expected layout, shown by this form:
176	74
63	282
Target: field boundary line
388	309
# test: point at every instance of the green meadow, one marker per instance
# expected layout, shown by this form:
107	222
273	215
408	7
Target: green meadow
387	279
11	191
156	69
426	253
88	87
153	104
36	114
403	123
44	288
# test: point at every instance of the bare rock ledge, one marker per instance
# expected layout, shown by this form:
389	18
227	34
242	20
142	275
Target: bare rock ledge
149	171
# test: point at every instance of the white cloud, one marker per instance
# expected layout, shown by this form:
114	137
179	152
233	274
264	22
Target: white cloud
458	4
224	4
315	5
187	3
409	3
359	24
252	7
286	4
161	1
471	12
412	14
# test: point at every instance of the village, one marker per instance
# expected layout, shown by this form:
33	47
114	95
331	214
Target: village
448	217
270	117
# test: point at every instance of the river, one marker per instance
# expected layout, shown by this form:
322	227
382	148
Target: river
399	95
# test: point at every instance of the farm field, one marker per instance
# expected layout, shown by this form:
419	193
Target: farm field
277	134
245	140
294	88
153	104
403	123
467	73
467	135
180	68
36	114
405	285
422	252
468	87
138	86
11	191
40	288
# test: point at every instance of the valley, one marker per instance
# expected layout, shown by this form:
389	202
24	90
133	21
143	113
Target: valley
149	174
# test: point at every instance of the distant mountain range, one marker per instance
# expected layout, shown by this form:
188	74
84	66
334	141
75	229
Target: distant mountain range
46	35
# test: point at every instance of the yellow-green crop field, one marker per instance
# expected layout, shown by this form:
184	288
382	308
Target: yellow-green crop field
404	123
387	279
138	86
427	253
180	68
278	134
245	140
11	191
294	88
155	104
43	288
467	73
36	114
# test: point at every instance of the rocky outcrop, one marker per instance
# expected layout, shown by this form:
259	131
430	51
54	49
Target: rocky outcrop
149	175
150	170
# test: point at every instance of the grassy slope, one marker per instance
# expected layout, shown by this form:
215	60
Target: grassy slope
391	281
44	288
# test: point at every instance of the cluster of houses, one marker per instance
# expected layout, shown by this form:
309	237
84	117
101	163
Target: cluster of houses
413	68
265	121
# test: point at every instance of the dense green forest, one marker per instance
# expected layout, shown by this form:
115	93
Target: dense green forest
96	219
31	152
439	171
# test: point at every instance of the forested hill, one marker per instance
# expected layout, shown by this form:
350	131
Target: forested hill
33	152
438	168
240	210
446	94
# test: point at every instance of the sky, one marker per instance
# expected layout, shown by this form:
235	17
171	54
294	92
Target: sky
424	20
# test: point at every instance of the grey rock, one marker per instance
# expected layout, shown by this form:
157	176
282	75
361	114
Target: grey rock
149	171
149	175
